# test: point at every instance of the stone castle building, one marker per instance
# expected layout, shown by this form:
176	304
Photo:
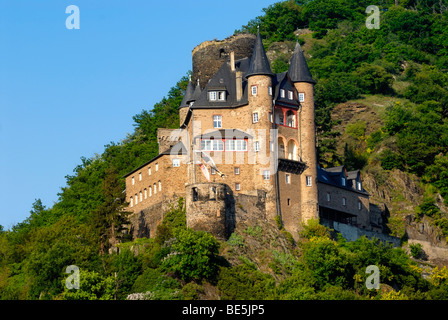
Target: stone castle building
245	149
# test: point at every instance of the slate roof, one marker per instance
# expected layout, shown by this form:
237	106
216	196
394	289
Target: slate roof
298	68
333	176
259	64
188	97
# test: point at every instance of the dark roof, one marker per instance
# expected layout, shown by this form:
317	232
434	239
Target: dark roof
225	134
188	97
333	176
197	92
298	68
259	64
224	80
282	81
181	150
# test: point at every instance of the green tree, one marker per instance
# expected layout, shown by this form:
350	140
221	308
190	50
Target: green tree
92	286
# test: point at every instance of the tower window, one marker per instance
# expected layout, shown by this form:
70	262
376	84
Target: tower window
257	146
160	185
150	191
255	117
288	178
289	202
270	91
157	167
136	199
344	201
254	90
301	97
309	181
141	196
237	186
290	95
237	171
132	202
155	188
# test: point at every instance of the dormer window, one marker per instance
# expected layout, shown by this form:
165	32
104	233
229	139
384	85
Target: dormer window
217	96
343	181
290	95
221	96
282	93
359	186
212	95
254	90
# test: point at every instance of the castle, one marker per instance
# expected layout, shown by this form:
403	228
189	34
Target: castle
245	149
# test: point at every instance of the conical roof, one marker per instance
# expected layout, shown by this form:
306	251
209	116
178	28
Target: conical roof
197	92
259	64
188	97
298	68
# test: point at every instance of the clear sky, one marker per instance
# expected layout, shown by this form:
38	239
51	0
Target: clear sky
64	94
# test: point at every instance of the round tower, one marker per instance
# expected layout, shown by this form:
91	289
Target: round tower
304	83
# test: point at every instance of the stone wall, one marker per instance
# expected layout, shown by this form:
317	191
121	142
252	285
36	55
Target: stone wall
209	56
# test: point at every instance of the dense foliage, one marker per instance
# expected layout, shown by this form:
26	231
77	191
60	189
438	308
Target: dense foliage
407	59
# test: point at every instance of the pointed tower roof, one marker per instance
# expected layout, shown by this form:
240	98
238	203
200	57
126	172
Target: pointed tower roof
259	64
197	92
298	68
188	97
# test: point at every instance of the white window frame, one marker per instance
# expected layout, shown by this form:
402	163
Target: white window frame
132	202
301	97
266	175
221	96
309	181
136	199
141	196
254	90
288	178
238	145
359	186
237	187
257	146
270	91
217	121
157	167
212	96
133	181
290	95
212	145
150	191
155	188
255	117
176	163
149	171
146	193
237	171
282	93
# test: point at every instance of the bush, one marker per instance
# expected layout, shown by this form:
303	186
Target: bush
193	255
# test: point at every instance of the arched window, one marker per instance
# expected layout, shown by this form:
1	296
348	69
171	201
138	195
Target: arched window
290	119
155	188
292	151
146	193
141	196
136	199
150	191
279	118
281	148
160	185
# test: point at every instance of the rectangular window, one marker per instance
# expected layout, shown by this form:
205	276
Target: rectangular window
290	95
289	202
176	163
254	90
141	196
343	182
282	93
257	146
237	187
146	193
133	181
288	178
255	117
155	188
150	191
236	145
328	197
212	145
270	91
271	119
237	171
136	199
149	171
359	205
212	95
160	185
266	175
359	186
301	97
157	167
309	181
140	176
222	96
212	171
344	201
217	122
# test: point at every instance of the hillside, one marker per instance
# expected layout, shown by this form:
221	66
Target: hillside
382	107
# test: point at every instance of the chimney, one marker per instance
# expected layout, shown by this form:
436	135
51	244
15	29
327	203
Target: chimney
239	85
232	61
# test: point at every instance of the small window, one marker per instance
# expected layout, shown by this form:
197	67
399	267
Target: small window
237	186
266	175
133	181
149	171
254	90
290	95
140	176
155	188
195	194
217	122
222	96
212	95
150	191
270	91
213	193
282	93
213	171
157	167
309	181
132	202
176	163
255	117
343	182
136	199
289	202
328	197
141	196
257	146
271	118
288	178
160	185
272	146
237	171
146	193
301	97
359	205
359	186
344	201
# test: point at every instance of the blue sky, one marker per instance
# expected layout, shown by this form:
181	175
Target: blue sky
64	94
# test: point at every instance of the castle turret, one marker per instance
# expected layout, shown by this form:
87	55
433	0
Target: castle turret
301	77
185	104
